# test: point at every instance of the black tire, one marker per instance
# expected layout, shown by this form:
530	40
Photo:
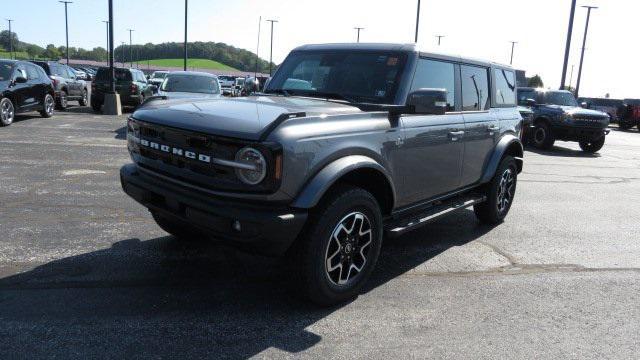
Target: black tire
592	146
500	193
84	100
7	112
181	231
62	103
542	136
48	104
330	243
96	106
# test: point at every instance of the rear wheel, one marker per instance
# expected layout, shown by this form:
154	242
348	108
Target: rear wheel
542	137
337	252
592	146
182	231
47	106
96	106
500	193
7	112
62	101
84	100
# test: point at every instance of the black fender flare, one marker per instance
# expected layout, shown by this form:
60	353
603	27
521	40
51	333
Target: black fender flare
316	188
508	144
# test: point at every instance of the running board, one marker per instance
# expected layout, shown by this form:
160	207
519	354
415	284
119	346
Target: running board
398	227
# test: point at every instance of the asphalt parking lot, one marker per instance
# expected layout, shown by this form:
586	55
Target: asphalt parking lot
85	272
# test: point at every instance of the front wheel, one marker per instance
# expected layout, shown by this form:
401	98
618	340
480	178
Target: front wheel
85	99
337	252
7	112
47	107
62	101
592	146
500	193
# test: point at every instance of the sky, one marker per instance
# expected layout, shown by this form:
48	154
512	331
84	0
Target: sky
472	28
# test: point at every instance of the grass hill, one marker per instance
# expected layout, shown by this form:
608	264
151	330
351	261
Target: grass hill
191	63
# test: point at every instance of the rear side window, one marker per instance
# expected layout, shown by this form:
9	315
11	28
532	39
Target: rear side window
434	74
121	75
475	88
505	87
524	95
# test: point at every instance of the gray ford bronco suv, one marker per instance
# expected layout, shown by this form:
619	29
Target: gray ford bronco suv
349	143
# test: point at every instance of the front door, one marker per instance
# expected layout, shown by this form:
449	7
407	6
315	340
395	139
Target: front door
432	145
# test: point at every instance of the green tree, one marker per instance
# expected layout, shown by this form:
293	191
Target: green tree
34	51
51	52
536	82
5	40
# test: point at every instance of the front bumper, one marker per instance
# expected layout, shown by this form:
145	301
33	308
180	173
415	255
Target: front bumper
577	133
268	230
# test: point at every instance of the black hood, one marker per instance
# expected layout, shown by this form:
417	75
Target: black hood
244	118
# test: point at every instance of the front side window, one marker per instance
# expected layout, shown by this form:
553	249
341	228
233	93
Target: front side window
32	72
20	71
475	88
435	74
505	87
355	76
191	84
560	98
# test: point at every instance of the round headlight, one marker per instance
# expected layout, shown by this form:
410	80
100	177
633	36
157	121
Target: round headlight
257	166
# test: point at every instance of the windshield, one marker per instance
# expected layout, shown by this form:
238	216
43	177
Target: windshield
159	75
560	98
5	71
191	84
371	77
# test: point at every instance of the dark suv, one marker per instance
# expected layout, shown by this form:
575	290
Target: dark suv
558	116
131	84
629	114
66	85
348	142
24	87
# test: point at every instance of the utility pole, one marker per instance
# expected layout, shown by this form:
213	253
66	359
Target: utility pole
568	47
513	45
571	77
358	29
130	47
417	21
107	23
271	53
66	25
186	6
439	38
584	44
10	39
258	47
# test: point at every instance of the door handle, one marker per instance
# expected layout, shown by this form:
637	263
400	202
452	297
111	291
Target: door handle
455	135
493	128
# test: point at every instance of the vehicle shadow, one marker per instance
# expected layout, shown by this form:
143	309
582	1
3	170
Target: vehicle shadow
167	298
121	133
559	151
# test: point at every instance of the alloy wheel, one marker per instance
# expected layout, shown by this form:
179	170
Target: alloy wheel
7	112
506	190
348	248
49	104
540	135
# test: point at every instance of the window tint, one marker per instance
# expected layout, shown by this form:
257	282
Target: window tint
524	94
475	88
58	70
32	72
505	87
20	71
435	74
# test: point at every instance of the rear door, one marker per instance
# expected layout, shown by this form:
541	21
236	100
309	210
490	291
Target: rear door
36	86
481	124
432	148
21	91
74	85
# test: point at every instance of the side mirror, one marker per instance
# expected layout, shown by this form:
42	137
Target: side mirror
428	101
20	80
148	77
584	105
530	102
153	88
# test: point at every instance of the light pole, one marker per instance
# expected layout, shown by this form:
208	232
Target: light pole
571	77
107	23
417	21
110	49
439	38
568	47
10	39
584	44
66	25
358	29
513	45
258	47
271	53
186	5
130	47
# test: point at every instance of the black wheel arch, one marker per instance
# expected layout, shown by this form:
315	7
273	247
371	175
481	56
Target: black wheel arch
509	145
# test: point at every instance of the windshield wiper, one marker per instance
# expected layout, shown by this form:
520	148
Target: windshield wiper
322	95
278	91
